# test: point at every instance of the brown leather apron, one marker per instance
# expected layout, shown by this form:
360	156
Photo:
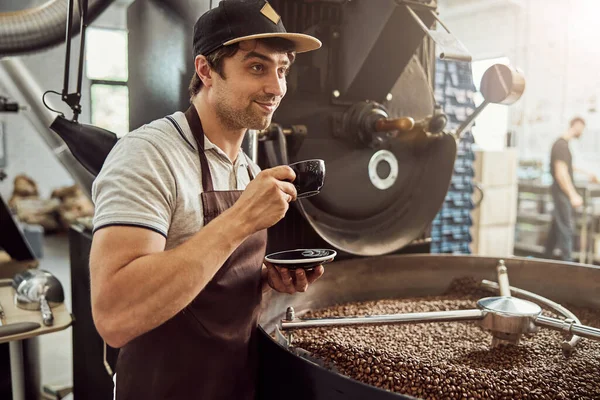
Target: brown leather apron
208	350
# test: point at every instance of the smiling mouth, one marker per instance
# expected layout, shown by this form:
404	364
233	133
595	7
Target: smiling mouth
270	107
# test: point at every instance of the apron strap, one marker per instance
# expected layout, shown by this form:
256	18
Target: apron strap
196	126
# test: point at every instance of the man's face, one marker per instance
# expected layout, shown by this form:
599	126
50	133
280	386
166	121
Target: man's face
578	129
254	84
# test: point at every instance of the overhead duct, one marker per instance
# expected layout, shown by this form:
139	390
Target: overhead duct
41	27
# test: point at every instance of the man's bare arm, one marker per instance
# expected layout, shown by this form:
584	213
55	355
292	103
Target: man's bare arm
591	176
136	285
561	171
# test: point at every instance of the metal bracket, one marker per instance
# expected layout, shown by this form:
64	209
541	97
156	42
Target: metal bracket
280	338
448	47
432	5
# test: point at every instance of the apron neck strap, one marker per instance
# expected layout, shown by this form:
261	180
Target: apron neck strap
196	126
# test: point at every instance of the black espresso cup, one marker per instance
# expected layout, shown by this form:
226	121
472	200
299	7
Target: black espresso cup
310	176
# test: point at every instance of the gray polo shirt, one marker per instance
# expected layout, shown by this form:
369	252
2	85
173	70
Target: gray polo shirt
152	179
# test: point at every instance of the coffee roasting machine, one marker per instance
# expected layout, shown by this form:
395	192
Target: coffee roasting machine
363	103
368	109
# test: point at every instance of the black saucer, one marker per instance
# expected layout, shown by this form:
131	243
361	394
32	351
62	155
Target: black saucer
301	258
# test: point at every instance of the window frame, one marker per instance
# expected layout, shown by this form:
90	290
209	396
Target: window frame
108	82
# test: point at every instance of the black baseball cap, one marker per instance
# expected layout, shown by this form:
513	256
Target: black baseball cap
234	21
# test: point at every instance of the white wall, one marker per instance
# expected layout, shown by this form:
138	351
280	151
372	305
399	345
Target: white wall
554	42
26	150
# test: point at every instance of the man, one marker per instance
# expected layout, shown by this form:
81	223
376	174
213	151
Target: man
176	263
564	194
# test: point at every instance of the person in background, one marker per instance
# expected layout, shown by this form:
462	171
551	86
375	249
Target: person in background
564	194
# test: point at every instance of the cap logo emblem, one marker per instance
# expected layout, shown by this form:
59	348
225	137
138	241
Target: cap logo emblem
270	13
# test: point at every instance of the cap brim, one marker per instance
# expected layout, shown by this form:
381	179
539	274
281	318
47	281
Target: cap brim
302	42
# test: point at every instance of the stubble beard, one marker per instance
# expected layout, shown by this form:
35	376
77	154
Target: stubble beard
247	118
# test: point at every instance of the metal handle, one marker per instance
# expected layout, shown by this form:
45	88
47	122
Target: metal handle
467	123
17	328
404	124
432	125
569	327
437	316
47	316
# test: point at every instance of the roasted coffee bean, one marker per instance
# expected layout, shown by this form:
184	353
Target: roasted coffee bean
453	360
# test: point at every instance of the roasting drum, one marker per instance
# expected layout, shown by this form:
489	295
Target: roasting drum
285	375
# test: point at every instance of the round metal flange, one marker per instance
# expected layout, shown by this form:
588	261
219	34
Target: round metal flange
388	160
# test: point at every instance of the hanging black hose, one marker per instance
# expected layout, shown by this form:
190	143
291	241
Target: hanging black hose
89	144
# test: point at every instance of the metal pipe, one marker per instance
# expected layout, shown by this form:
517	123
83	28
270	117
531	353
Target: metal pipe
40	27
437	316
15	348
465	125
568	327
252	144
65	91
567	345
503	279
585	331
449	48
84	23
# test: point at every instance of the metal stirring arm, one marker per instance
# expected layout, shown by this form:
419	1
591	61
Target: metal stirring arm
409	318
568	326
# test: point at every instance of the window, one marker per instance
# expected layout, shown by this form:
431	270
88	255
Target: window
106	66
491	125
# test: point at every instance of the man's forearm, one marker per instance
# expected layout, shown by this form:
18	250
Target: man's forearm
582	171
565	182
152	289
591	176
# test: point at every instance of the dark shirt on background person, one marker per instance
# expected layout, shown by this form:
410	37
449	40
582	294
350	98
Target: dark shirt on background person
561	152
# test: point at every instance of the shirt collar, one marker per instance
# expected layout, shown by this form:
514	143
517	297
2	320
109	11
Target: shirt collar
241	160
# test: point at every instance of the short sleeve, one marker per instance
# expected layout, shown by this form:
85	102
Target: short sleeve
561	151
135	187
